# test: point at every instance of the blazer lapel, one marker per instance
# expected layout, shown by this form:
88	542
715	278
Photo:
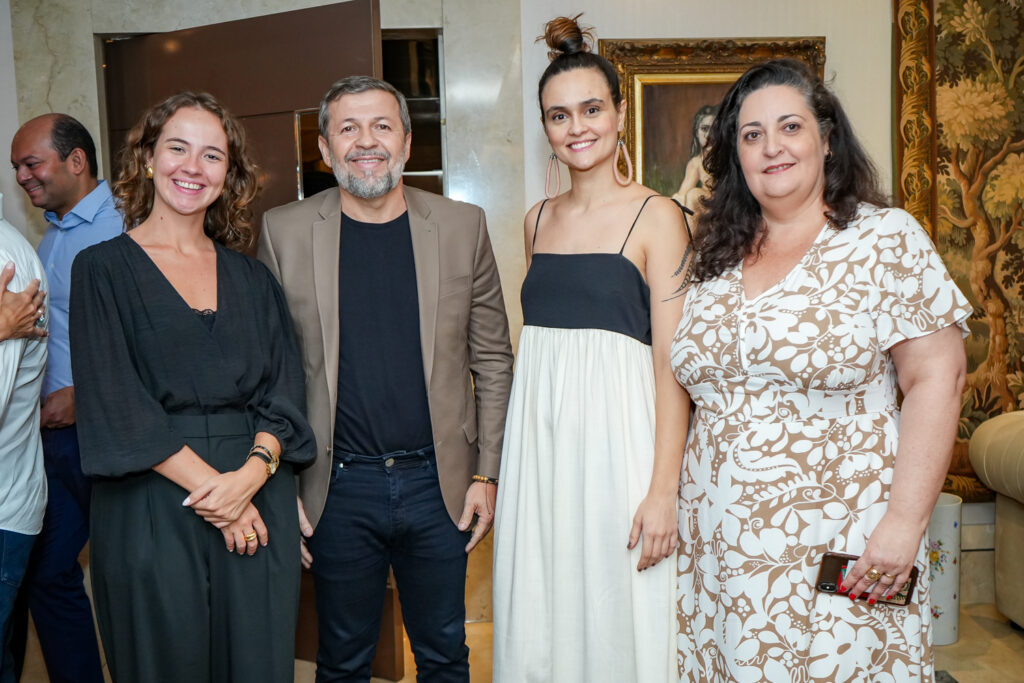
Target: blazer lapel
326	248
425	251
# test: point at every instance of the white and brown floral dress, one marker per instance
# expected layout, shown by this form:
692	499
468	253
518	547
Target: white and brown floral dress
791	454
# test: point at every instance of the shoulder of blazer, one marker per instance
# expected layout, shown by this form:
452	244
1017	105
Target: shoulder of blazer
440	209
305	211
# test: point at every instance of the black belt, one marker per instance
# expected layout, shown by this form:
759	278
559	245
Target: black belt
213	424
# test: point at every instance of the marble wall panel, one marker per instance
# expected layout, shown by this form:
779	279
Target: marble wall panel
483	82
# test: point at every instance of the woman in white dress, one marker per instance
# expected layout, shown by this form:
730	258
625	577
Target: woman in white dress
812	302
585	525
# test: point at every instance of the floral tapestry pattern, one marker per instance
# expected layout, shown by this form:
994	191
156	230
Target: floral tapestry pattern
979	99
977	193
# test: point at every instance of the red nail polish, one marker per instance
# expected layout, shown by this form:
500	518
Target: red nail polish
871	601
842	588
853	596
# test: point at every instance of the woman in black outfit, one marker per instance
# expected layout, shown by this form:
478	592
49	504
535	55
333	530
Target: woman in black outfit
189	386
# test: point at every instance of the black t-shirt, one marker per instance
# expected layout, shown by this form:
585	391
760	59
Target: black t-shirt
382	395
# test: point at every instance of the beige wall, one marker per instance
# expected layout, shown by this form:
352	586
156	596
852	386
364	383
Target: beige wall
858	53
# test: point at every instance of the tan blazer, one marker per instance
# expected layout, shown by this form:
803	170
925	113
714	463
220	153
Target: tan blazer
467	356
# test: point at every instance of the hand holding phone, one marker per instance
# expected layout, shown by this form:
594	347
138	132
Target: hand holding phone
833	570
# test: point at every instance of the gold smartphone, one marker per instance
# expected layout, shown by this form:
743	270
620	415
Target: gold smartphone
834	567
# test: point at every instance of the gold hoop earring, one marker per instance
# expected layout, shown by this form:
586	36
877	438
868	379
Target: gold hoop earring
149	171
552	166
620	149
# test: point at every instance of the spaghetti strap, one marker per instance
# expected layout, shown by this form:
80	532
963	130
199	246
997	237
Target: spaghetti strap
536	226
687	212
623	247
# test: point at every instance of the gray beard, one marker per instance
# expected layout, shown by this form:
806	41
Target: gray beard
368	187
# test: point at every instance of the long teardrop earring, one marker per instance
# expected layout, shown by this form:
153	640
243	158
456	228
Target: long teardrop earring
620	148
552	166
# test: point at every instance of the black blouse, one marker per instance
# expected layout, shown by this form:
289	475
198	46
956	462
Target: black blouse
140	353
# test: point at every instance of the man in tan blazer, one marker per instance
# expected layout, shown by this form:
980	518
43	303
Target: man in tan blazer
398	308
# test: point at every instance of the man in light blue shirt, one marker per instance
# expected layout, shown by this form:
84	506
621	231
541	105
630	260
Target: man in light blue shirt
54	159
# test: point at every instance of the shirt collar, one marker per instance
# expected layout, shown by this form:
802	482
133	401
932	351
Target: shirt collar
84	211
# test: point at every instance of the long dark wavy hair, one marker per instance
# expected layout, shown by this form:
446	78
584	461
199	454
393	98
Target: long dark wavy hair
229	219
732	227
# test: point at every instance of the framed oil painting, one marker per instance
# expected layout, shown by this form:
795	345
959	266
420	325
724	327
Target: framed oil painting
673	87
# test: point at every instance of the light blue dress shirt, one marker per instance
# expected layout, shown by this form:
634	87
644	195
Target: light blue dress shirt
94	219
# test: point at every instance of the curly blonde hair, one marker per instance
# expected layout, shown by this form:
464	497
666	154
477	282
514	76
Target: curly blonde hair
229	219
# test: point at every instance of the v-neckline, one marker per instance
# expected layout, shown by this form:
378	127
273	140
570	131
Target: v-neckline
194	312
745	300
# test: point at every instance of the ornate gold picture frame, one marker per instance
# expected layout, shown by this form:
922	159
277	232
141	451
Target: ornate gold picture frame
669	84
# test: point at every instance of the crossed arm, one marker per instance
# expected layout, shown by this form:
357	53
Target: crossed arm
19	310
224	499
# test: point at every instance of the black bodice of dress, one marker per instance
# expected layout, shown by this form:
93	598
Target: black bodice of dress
602	291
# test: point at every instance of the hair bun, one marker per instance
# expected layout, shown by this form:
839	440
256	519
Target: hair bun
564	36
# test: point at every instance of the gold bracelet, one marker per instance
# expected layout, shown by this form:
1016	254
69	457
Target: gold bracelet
261	447
267	456
486	480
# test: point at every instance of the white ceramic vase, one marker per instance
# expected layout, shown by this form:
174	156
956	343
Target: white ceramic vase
944	568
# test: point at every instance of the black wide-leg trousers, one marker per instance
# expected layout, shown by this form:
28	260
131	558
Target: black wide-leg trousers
173	604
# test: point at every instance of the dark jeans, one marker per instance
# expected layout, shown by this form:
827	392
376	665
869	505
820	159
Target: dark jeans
54	589
387	511
14	551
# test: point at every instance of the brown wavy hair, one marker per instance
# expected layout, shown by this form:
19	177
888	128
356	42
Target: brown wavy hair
229	219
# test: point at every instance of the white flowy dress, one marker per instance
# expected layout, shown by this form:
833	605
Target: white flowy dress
569	603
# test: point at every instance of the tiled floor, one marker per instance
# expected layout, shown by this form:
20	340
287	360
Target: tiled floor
478	637
988	651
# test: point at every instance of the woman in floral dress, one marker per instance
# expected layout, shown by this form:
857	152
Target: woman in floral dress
813	303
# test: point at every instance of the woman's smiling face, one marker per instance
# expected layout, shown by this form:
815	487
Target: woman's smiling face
580	119
781	150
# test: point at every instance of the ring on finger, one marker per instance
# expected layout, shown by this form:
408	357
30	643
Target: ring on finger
873	575
891	577
250	537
